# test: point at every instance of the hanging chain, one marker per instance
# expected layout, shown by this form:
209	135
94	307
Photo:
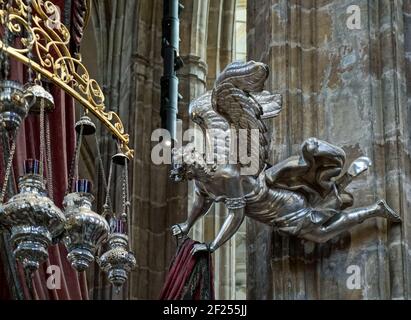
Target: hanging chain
49	160
107	206
71	172
7	39
124	195
42	137
127	186
8	168
77	157
74	161
128	203
2	54
30	40
103	173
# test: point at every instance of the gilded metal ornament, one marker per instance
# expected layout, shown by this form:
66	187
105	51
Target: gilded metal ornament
303	196
49	40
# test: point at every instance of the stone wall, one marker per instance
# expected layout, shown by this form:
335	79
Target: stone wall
127	53
125	37
348	87
206	51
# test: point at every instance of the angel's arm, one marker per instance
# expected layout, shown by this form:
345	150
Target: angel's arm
233	221
200	208
231	225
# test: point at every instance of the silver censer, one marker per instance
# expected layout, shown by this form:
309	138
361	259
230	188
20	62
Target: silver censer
117	262
14	105
32	218
85	229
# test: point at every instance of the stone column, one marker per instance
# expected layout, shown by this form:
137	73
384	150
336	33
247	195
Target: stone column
206	51
128	50
347	87
108	55
158	202
202	29
220	37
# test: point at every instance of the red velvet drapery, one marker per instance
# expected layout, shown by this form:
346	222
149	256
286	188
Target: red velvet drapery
190	277
5	292
73	285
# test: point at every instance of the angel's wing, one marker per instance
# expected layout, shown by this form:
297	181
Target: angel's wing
215	128
235	98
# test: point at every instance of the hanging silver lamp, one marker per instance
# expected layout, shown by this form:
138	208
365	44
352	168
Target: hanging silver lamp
117	261
43	99
85	229
85	126
14	105
120	159
32	218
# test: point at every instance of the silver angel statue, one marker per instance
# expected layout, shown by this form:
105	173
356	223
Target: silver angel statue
303	196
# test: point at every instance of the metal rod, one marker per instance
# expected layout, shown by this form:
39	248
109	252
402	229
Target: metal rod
172	62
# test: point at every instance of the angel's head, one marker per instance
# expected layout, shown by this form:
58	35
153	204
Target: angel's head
191	165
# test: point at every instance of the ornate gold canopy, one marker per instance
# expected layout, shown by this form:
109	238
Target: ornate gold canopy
48	39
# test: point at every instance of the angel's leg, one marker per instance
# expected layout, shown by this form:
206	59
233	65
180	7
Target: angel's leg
350	218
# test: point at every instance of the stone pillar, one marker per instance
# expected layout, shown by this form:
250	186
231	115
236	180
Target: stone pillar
128	50
347	87
206	51
220	37
202	29
158	202
127	40
108	55
194	23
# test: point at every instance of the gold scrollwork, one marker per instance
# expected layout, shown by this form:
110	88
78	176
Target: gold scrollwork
48	39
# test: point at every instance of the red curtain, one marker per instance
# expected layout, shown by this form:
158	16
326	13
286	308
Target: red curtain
5	292
190	277
62	120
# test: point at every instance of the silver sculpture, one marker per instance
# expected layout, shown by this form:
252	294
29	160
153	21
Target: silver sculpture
85	229
303	196
32	219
